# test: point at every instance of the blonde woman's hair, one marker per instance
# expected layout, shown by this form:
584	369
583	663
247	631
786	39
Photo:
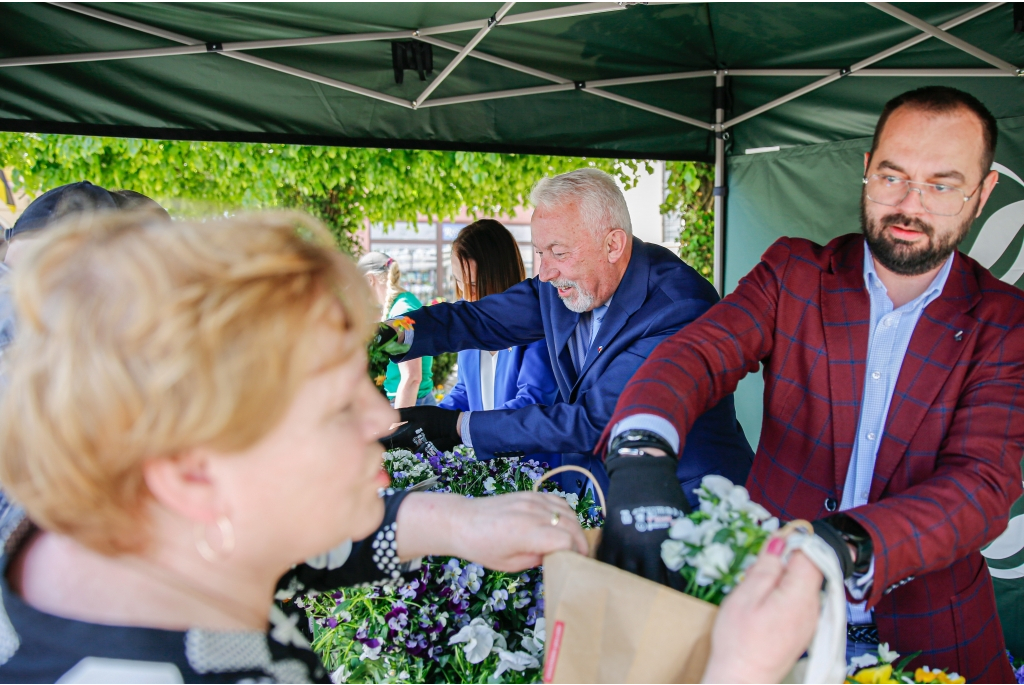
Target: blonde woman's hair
139	339
383	266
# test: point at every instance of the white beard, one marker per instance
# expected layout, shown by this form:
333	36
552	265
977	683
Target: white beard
579	300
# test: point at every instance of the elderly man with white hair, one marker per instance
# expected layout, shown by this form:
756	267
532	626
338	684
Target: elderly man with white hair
603	300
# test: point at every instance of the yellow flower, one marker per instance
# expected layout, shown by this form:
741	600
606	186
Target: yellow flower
379	380
926	675
875	674
402	323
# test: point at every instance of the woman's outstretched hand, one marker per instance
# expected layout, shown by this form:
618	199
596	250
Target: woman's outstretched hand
767	622
507	533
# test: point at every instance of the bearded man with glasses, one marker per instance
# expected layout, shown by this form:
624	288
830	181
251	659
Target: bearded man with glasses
894	394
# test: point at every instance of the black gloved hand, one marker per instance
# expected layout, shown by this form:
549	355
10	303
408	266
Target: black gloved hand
842	532
436	425
644	497
386	340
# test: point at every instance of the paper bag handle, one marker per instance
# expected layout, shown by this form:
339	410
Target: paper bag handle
578	469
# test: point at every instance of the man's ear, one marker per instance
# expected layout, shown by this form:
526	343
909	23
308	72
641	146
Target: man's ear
183	485
988	184
615	244
867	162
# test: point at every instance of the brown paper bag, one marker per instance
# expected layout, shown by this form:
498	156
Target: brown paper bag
605	625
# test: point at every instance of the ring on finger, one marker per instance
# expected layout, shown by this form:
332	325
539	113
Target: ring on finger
555	518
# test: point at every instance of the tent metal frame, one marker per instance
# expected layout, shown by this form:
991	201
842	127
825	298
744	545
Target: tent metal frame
238	50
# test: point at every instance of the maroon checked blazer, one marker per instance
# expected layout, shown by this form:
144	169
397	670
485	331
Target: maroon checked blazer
948	465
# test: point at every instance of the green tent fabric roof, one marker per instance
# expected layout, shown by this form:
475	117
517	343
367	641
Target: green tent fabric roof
219	93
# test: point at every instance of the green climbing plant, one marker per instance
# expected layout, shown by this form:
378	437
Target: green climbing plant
342	186
689	195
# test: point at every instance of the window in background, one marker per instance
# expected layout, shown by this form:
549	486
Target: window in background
424	250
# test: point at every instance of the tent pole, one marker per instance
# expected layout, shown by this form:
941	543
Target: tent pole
936	32
835	76
718	270
491	23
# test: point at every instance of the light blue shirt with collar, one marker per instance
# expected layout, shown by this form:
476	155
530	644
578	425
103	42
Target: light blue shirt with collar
888	339
582	338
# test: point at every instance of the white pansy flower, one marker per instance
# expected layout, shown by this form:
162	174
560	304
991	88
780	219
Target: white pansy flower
685	530
719	486
489	484
674	553
514	661
572	499
755	511
713	561
738	497
771	525
708	530
886	655
862	661
370	653
479	638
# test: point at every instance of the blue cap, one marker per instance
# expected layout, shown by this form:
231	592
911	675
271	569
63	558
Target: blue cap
58	203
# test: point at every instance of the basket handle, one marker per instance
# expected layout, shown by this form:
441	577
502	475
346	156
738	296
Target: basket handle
578	469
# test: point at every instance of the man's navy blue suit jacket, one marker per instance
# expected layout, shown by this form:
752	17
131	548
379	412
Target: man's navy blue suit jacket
658	295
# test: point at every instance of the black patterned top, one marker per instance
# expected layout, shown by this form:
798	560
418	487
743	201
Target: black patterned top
36	647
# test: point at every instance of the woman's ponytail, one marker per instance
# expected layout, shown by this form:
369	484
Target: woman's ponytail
394	275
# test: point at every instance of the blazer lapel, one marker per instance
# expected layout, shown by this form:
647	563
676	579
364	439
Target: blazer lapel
469	369
563	323
846	317
628	297
940	338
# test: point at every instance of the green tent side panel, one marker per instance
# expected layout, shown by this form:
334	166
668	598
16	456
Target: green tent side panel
813	192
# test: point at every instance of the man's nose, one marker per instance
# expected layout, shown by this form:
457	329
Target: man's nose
912	203
546	273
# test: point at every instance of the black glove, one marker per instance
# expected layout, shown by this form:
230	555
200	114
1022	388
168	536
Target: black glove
841	532
433	424
386	340
644	497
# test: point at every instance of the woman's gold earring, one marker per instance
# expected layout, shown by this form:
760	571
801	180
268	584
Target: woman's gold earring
227	540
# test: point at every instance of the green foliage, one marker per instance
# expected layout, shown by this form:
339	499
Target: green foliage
344	187
689	193
443	365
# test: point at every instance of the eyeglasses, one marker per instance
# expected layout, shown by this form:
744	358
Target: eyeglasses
936	198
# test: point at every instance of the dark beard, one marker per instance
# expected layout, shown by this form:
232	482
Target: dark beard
897	255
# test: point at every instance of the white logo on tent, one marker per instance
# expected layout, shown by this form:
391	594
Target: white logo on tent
997	234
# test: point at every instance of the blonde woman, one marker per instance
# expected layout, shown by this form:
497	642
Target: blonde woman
407	384
188	431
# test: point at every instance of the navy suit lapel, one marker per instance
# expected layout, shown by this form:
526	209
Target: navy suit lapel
563	323
469	369
629	297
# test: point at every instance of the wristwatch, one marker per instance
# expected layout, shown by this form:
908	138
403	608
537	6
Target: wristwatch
635	442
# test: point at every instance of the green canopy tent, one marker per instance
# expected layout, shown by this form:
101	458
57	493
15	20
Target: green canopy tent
674	81
782	96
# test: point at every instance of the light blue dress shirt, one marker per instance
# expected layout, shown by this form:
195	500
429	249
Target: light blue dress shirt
582	338
888	338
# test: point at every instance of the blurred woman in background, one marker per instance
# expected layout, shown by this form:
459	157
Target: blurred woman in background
411	383
486	261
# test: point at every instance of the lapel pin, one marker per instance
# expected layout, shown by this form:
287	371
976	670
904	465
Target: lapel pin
599	348
958	336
